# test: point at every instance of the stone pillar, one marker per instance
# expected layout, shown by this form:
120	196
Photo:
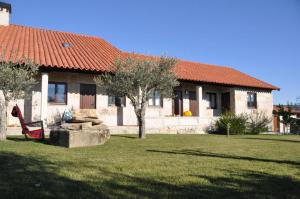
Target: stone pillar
185	100
44	98
199	93
232	100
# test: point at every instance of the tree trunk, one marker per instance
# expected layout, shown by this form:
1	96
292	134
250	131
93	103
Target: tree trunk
141	122
3	120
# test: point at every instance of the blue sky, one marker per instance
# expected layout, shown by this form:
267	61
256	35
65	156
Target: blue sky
258	37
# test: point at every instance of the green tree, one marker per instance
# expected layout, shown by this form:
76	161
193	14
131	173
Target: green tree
285	115
137	79
16	79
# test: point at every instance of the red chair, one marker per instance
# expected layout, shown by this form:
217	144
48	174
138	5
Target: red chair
36	133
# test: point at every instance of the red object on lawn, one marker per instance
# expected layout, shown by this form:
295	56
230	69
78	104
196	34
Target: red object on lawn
37	133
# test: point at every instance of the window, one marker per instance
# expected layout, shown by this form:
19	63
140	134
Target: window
155	99
251	100
57	93
212	100
116	101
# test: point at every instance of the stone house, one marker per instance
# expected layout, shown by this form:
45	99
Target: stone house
69	62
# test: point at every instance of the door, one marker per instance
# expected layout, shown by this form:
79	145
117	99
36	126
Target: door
87	96
276	123
193	103
178	103
225	102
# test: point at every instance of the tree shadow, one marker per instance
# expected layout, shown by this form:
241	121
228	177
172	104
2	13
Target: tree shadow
271	139
35	177
247	184
29	177
226	156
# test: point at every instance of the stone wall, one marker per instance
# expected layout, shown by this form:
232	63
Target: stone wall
264	102
156	117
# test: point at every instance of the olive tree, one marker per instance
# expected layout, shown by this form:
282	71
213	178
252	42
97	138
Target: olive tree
136	79
16	79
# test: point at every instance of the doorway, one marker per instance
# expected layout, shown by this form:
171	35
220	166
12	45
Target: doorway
193	103
225	102
87	96
178	103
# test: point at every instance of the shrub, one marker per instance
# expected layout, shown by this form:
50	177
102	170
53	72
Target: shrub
258	122
237	123
295	126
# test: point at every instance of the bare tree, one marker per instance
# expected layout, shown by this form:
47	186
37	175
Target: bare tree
16	79
137	79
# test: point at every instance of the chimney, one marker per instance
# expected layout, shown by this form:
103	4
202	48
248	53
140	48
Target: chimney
5	11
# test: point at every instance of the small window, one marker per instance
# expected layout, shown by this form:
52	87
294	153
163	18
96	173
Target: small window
67	45
212	100
57	93
116	101
155	99
251	100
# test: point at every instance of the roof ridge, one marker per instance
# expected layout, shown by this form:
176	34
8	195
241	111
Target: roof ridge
57	31
180	59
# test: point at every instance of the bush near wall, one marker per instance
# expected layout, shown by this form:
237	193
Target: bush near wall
295	126
257	123
243	124
237	123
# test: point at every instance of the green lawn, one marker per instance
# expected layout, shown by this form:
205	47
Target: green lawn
162	166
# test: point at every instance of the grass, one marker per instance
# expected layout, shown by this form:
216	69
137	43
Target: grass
162	166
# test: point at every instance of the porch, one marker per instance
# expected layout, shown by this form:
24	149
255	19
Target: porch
78	91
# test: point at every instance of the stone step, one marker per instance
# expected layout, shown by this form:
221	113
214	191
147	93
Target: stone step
90	113
85	119
76	126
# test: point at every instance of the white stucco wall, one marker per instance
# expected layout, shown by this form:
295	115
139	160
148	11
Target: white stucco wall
264	102
109	114
4	17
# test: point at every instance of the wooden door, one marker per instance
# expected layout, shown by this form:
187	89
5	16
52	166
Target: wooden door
178	103
193	103
87	96
225	102
276	124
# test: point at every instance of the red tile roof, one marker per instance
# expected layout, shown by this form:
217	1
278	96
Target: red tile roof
194	71
218	74
46	48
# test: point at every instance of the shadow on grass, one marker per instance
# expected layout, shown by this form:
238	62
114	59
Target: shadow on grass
125	136
226	156
22	139
36	177
271	139
17	139
29	177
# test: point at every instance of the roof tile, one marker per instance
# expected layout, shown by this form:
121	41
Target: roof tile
45	47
